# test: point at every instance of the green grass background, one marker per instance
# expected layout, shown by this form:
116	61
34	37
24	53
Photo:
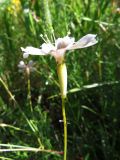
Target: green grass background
93	104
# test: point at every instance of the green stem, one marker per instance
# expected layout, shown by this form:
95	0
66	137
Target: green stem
65	128
29	94
30	104
62	75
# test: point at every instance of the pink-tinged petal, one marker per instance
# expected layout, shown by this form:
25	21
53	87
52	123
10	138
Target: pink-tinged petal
47	48
32	51
64	42
59	55
25	55
86	41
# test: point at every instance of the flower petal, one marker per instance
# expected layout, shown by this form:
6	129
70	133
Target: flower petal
47	48
84	42
64	42
32	51
21	65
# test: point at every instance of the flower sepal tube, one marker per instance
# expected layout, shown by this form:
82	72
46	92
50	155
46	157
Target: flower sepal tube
62	76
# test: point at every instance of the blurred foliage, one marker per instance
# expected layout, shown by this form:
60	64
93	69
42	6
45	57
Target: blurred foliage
92	113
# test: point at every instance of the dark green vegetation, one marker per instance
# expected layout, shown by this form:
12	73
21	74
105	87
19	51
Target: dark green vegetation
93	112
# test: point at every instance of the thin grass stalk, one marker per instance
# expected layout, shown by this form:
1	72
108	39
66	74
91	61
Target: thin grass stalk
30	150
99	66
49	30
16	103
7	90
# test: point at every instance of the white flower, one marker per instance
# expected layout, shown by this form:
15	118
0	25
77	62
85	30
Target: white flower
61	46
24	67
26	10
